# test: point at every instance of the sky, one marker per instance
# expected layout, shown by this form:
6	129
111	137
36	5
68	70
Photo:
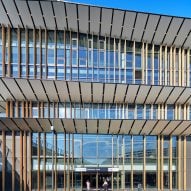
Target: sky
180	8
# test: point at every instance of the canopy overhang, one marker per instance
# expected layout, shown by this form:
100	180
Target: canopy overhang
91	92
124	24
88	126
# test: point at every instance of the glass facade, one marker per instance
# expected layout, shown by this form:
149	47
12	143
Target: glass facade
65	55
99	111
126	161
36	159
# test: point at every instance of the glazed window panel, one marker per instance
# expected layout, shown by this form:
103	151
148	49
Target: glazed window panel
74	58
129	76
140	111
138	150
31	55
35	110
151	148
104	144
170	112
31	71
155	111
129	59
89	147
60	56
82	57
75	73
138	60
14	54
111	55
51	56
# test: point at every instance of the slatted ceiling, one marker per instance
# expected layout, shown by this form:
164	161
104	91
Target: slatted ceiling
170	127
1	99
26	89
58	125
106	21
164	94
83	11
45	124
94	19
114	126
153	94
3	104
13	87
9	123
117	23
5	92
92	126
86	91
161	29
126	126
38	89
189	101
131	93
24	13
148	127
83	18
13	14
74	91
182	34
80	126
120	93
69	125
60	14
72	16
128	25
36	14
187	43
103	126
48	14
3	127
21	124
97	92
175	94
109	93
181	128
150	28
62	91
172	31
185	95
3	18
187	131
50	90
34	124
139	26
2	110
159	127
137	126
142	94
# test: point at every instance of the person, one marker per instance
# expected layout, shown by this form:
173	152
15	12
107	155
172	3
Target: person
105	185
88	185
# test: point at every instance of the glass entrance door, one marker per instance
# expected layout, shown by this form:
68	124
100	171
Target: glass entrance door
96	180
91	178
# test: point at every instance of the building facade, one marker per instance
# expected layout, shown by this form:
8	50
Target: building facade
91	94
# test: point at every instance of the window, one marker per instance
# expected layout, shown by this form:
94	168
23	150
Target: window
138	76
131	111
170	112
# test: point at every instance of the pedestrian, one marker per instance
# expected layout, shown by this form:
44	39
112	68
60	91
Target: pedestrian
105	185
88	185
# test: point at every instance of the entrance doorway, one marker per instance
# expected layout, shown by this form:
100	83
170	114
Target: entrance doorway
96	180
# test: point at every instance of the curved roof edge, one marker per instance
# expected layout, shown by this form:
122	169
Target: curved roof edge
125	24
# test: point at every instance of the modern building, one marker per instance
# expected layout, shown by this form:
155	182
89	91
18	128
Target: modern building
92	93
